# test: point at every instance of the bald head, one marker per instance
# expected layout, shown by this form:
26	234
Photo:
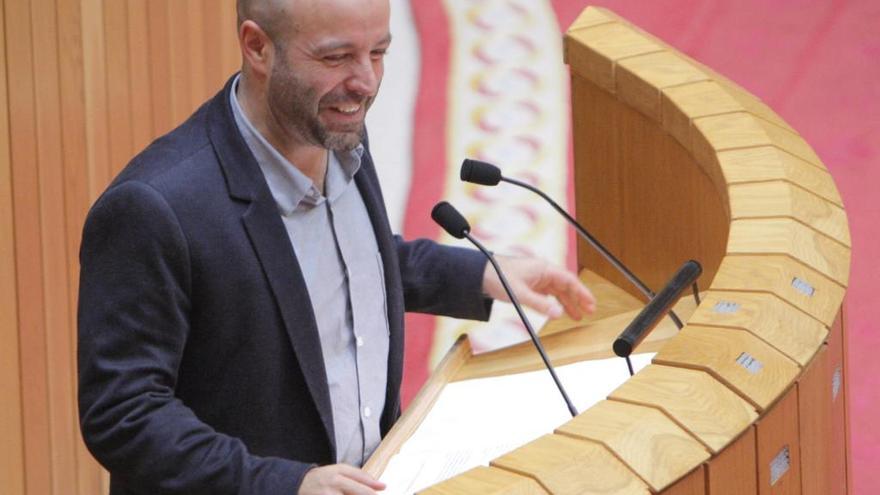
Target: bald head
273	16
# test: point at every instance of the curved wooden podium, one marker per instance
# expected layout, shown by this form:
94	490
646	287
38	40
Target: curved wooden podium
674	162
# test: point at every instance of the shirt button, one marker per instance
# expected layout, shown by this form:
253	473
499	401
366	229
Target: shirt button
368	412
360	341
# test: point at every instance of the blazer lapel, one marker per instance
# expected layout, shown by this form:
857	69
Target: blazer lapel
266	230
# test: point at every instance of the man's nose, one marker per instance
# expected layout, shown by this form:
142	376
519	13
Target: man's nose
365	77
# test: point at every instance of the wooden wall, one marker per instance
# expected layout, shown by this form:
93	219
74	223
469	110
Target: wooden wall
84	85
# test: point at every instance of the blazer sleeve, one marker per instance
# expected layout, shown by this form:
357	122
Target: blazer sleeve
443	280
133	324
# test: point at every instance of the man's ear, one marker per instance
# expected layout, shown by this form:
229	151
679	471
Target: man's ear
256	48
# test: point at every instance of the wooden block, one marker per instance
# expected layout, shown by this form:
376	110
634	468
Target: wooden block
796	283
590	16
776	322
692	484
758	372
647	441
814	391
641	78
779	471
593	51
565	465
750	102
782	199
681	104
734	471
766	163
792	142
702	405
727	131
488	481
790	237
612	300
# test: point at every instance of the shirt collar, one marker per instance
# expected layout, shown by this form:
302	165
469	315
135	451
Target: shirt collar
289	186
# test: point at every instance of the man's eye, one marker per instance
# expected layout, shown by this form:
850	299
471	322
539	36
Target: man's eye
377	54
335	58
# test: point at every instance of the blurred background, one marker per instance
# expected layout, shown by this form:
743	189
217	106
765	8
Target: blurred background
88	83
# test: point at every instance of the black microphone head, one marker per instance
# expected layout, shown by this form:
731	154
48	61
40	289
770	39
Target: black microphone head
480	172
450	219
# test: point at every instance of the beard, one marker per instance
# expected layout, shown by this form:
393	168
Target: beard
296	105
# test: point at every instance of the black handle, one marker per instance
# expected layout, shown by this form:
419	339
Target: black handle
656	309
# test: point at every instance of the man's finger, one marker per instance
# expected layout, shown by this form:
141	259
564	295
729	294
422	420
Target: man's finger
360	476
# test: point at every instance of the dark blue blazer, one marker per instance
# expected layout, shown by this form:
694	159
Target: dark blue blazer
200	366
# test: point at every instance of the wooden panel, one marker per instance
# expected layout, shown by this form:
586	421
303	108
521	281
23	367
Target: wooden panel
139	67
591	16
614	301
56	313
488	481
617	145
28	246
778	323
119	96
635	434
814	392
95	88
565	465
837	368
734	471
702	405
790	141
681	104
758	372
727	131
160	66
769	163
603	45
12	461
692	484
799	285
782	199
778	447
640	79
790	237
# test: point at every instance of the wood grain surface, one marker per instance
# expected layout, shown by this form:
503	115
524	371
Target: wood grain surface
635	434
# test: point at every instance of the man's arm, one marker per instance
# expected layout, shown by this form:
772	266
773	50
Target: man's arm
133	324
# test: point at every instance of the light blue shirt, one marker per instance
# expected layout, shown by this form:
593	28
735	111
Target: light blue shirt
335	245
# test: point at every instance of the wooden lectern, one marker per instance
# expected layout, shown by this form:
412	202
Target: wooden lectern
674	161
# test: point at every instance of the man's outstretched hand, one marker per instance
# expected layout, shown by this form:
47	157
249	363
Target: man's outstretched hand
534	281
339	479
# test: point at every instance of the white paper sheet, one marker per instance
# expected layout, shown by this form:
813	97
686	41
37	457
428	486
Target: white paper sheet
475	421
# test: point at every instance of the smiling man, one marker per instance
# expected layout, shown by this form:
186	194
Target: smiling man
242	295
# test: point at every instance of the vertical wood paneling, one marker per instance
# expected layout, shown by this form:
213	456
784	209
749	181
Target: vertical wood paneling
179	57
94	82
29	274
118	84
55	287
160	66
11	439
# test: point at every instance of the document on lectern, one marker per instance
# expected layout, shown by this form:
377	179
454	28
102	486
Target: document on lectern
475	421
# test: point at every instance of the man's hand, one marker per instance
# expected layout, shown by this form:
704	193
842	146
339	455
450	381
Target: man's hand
339	479
534	280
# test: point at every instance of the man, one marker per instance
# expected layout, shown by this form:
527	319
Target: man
242	296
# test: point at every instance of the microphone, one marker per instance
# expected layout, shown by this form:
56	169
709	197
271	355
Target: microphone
654	311
479	172
455	224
